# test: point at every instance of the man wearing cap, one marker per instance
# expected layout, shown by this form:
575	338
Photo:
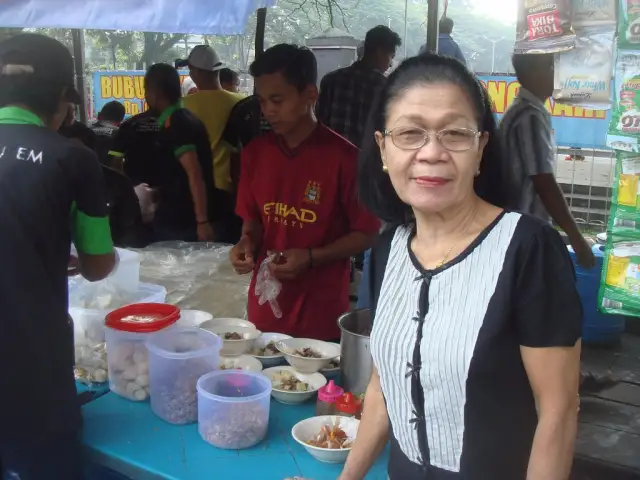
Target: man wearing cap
212	105
51	193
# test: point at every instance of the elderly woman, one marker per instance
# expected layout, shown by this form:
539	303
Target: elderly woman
476	337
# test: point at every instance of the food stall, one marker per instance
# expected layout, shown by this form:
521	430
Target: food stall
194	390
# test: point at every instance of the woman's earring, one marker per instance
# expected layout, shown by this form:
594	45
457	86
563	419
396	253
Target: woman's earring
385	169
478	172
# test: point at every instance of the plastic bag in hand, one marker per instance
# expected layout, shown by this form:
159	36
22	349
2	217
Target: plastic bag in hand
268	287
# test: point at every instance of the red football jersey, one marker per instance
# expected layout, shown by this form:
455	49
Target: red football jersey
303	199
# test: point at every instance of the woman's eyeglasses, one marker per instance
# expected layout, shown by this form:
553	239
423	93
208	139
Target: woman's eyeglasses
452	139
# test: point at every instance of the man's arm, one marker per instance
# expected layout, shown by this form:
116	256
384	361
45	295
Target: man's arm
460	55
90	229
191	165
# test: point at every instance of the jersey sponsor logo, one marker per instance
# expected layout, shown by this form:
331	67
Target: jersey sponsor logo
312	193
24	154
288	215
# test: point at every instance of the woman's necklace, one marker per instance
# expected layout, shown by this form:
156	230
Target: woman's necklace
466	228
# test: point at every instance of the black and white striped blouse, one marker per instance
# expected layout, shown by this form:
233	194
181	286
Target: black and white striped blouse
446	344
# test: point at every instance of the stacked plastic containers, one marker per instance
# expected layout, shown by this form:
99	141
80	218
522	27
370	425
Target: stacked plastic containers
233	408
178	357
127	329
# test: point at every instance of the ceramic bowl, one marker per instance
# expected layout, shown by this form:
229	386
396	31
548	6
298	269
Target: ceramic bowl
308	429
241	362
263	341
193	318
234	322
233	348
315	381
290	347
331	371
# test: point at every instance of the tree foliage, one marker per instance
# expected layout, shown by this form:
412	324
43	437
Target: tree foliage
296	21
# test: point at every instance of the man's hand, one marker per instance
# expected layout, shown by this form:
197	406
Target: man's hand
290	264
205	232
584	254
241	256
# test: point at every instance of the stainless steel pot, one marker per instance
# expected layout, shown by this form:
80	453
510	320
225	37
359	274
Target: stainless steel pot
356	363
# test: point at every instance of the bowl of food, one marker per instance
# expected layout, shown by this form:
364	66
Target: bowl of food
235	340
307	355
291	387
332	370
226	322
241	362
327	438
266	351
193	318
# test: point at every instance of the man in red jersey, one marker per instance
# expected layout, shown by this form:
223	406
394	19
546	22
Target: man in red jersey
297	197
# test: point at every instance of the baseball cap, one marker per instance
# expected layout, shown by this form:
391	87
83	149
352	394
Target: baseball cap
43	57
203	57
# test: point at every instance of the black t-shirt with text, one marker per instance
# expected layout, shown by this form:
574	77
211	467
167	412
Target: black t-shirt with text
51	191
137	141
181	132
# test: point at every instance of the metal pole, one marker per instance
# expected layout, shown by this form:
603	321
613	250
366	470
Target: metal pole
432	26
77	37
404	39
261	23
493	57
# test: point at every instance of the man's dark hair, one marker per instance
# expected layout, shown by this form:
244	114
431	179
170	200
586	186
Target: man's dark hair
381	38
446	25
38	94
526	65
296	64
112	112
166	80
228	76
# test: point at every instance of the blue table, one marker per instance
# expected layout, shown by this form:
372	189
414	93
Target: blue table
98	389
130	439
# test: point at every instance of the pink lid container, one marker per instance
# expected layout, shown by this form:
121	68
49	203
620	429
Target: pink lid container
330	392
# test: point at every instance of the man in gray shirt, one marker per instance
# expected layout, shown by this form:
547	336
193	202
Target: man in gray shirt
527	137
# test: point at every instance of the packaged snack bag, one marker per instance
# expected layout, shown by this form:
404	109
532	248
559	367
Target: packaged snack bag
629	24
624	129
624	220
583	75
544	27
620	285
589	13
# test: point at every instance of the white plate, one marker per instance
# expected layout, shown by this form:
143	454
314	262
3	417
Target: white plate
308	429
315	381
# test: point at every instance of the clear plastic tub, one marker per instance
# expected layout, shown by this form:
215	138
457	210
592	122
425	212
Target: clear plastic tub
127	275
178	357
127	357
233	408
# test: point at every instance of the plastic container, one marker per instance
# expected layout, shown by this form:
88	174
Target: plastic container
178	357
327	396
127	355
127	274
233	408
348	405
597	328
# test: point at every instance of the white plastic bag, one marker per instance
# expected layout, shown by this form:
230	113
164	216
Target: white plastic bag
268	287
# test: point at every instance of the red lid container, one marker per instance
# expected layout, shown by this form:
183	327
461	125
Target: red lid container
143	317
349	404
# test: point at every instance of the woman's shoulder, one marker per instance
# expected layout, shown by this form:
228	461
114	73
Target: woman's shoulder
530	229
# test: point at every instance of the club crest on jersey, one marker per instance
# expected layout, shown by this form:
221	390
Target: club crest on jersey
312	193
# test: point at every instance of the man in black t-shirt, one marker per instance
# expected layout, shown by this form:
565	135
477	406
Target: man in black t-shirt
51	193
109	119
185	190
135	147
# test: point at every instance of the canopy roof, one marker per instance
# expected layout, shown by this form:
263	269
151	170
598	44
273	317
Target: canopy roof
206	17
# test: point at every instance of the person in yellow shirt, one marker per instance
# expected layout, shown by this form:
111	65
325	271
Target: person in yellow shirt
212	105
